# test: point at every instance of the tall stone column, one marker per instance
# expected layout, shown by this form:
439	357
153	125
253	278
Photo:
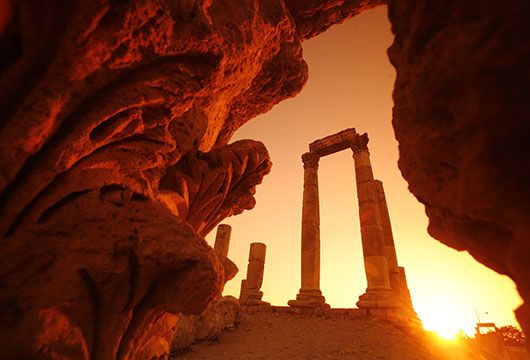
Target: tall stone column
378	293
250	287
398	281
310	294
390	248
222	240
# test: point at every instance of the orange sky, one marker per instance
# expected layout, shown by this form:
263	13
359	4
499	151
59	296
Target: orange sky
350	85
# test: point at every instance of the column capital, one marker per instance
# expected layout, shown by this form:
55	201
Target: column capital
310	160
360	143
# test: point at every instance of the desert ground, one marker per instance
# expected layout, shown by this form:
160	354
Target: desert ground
286	336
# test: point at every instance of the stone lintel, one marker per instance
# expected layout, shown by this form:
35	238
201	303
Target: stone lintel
334	143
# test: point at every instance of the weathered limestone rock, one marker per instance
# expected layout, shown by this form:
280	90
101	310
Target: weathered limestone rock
461	118
114	163
250	287
104	104
223	314
314	16
310	294
114	123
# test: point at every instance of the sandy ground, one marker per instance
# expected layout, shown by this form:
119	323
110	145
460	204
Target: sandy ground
286	337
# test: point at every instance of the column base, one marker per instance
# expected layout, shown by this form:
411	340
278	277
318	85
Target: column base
385	304
252	298
309	298
378	299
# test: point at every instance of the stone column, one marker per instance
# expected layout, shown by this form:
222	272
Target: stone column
250	287
390	249
398	281
222	240
310	294
378	292
404	288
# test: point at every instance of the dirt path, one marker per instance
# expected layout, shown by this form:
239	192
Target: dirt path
286	337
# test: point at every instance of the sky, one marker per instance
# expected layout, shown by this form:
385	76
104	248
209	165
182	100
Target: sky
350	85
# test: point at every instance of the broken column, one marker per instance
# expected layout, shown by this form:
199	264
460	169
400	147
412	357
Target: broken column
310	294
386	226
378	293
221	246
222	240
398	281
250	287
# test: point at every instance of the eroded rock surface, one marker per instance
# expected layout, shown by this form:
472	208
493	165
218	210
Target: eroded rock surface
115	118
222	314
461	117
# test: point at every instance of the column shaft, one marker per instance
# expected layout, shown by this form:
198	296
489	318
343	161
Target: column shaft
250	287
372	237
310	295
256	266
310	230
222	240
390	249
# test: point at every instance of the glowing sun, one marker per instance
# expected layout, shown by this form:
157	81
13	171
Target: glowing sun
445	322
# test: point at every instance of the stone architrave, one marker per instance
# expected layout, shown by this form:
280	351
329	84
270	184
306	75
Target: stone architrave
222	240
250	287
310	294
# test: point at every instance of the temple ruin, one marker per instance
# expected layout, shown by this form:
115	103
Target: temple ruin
387	292
222	239
250	287
115	162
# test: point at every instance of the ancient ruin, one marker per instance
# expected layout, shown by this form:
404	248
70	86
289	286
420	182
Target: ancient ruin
250	287
222	240
115	162
387	292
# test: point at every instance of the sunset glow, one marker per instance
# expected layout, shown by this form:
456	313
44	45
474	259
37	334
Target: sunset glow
350	85
445	320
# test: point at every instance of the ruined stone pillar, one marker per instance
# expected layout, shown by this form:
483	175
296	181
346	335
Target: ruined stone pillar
398	281
310	294
250	287
378	292
390	248
222	240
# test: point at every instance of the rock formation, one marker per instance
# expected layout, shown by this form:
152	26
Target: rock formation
115	118
114	162
223	313
461	117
